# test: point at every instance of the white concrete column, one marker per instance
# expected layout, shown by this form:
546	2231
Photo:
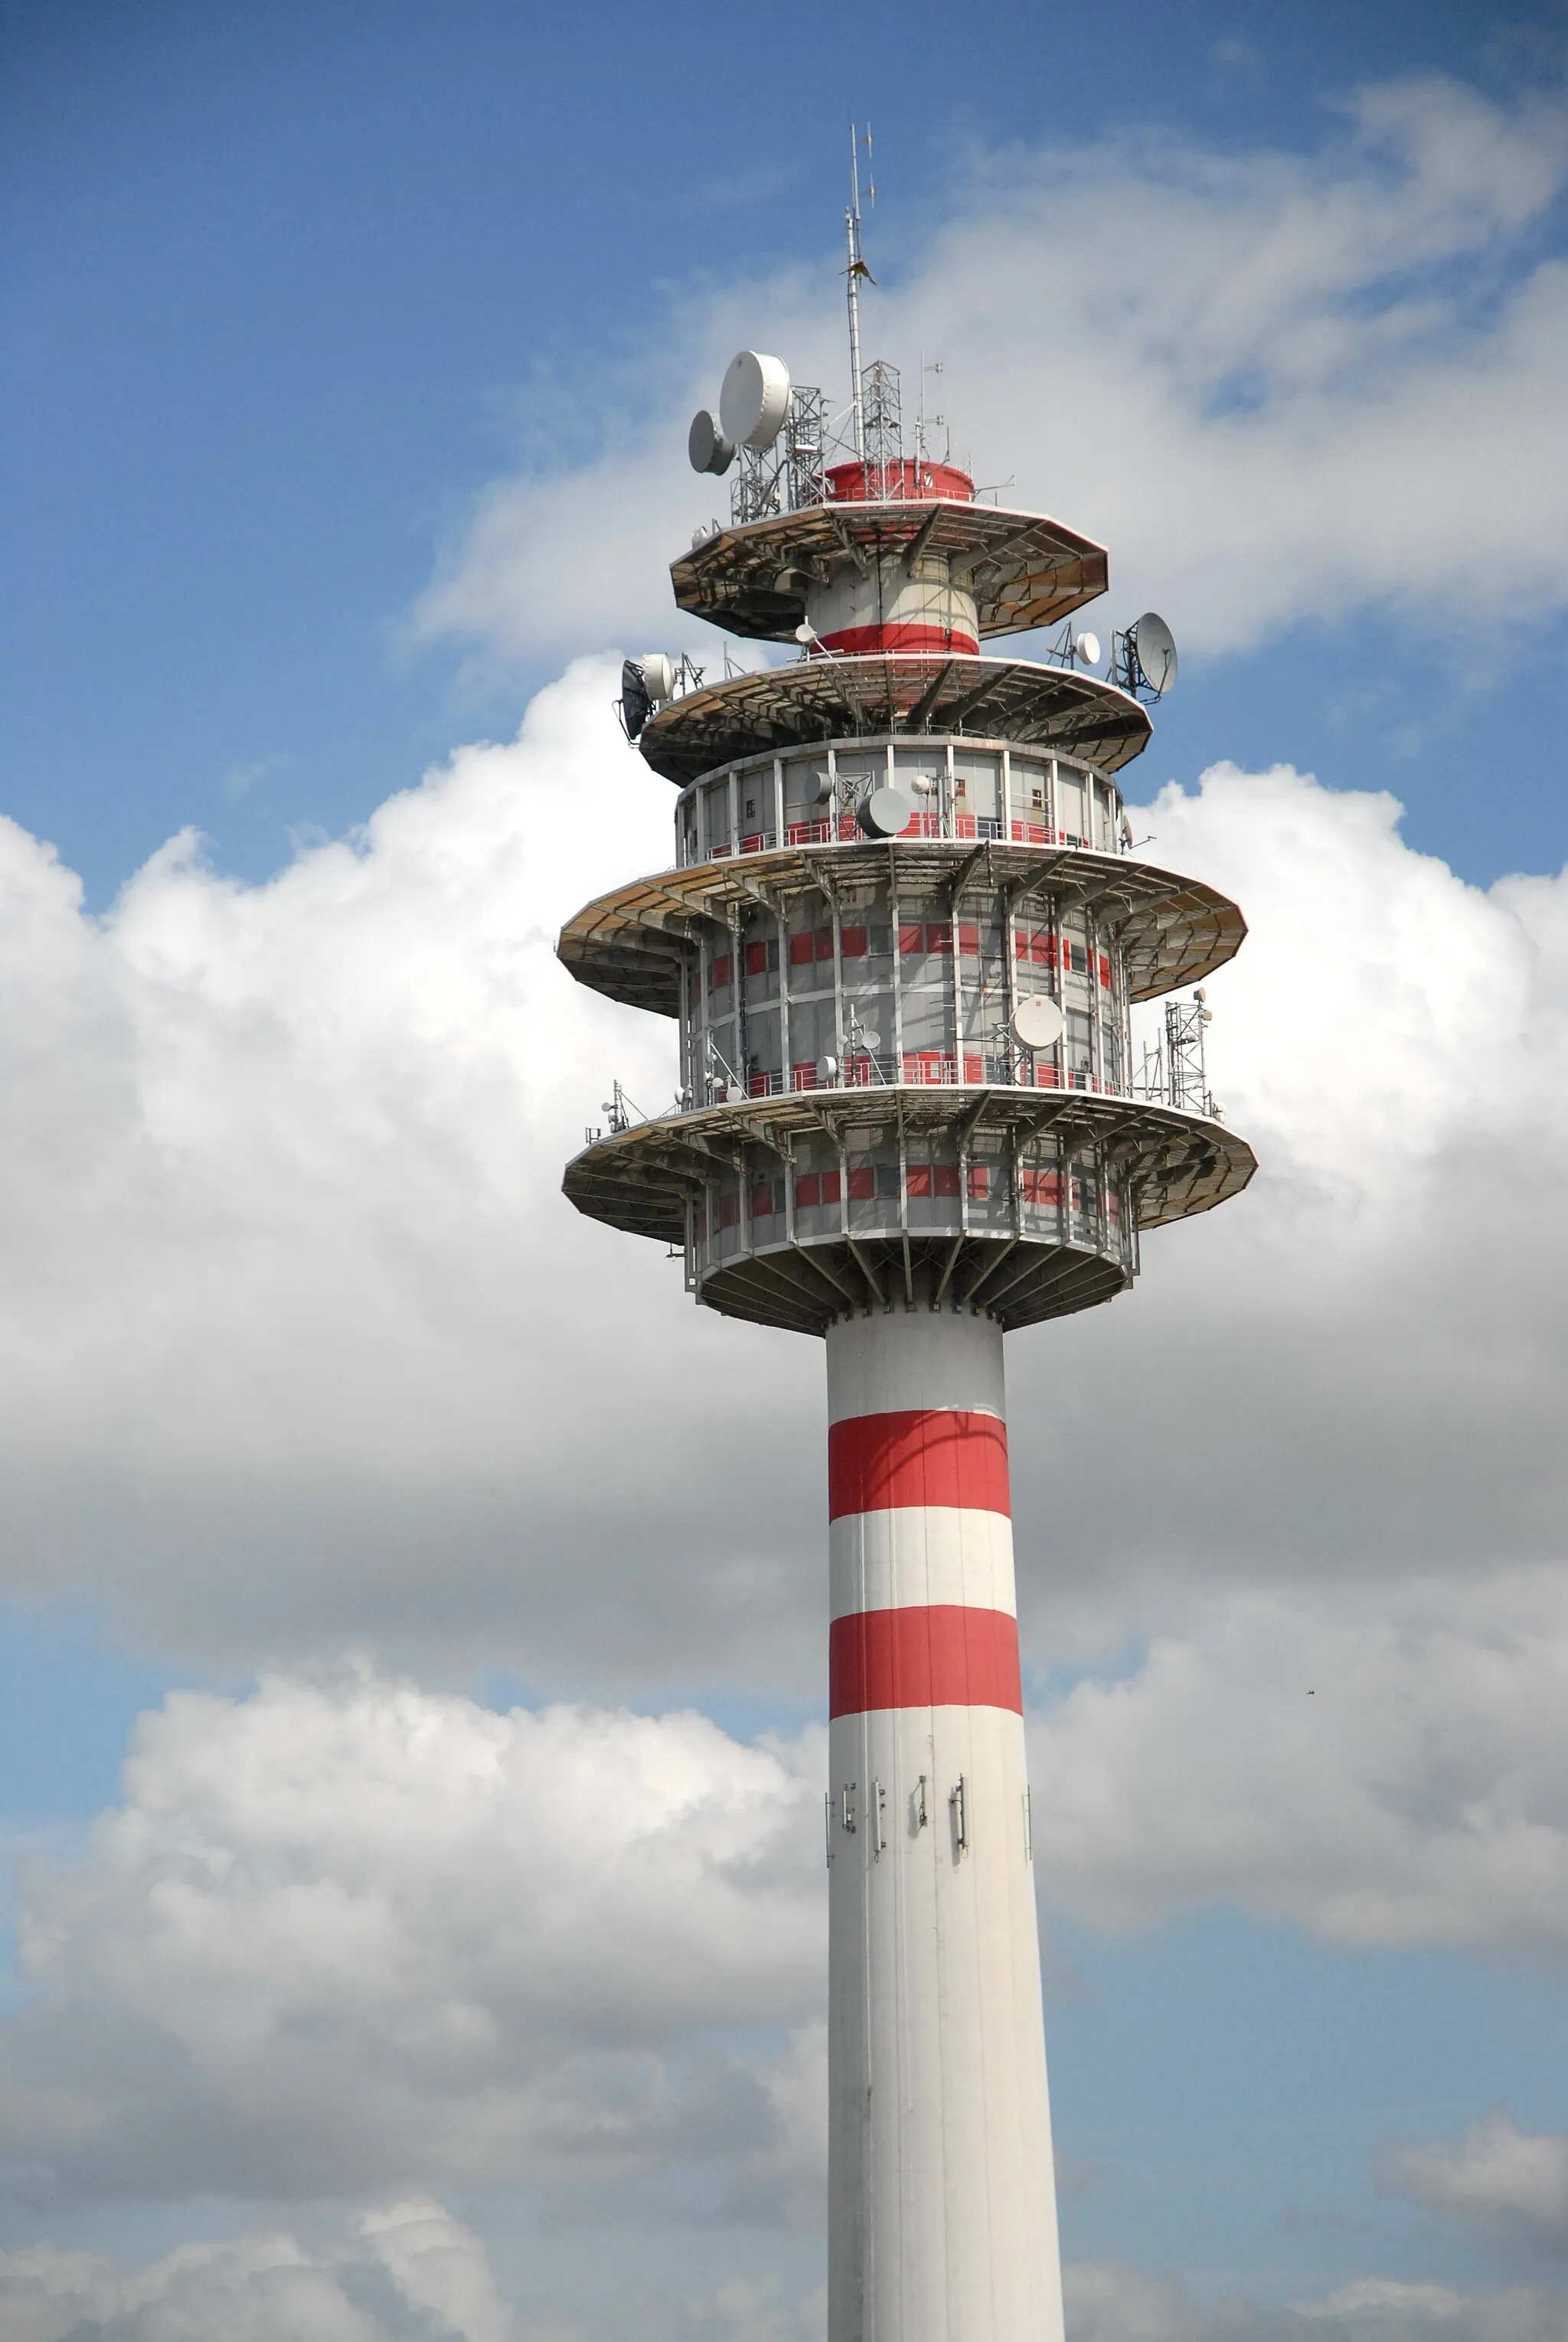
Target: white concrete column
942	2208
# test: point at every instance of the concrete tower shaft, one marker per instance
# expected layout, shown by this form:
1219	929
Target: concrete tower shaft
946	2228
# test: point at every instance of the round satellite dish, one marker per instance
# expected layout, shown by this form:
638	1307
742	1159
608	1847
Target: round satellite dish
755	399
822	793
886	813
635	705
659	676
925	785
870	1039
805	632
1037	1021
1086	649
827	1070
709	450
1154	647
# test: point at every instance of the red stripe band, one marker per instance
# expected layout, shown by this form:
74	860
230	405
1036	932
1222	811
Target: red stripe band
930	1455
901	635
943	1656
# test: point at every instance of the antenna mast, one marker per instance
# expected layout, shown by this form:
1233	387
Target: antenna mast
857	269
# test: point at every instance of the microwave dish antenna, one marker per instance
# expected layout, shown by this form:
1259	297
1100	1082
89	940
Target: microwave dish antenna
1154	650
755	399
1037	1021
636	703
707	446
658	676
886	813
1086	649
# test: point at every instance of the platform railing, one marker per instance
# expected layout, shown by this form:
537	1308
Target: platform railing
844	830
918	1068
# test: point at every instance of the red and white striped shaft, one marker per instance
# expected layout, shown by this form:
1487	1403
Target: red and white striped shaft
941	2216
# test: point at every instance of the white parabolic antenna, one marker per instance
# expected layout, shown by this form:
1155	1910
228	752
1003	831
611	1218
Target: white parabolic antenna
886	813
1155	647
658	674
755	399
706	446
1037	1021
870	1039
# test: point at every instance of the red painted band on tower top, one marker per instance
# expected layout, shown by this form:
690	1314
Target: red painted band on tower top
929	1456
943	1656
901	635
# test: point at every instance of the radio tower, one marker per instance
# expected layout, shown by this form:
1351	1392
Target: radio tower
900	941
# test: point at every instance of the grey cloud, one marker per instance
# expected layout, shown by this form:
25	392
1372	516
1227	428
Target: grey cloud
1507	2182
406	2272
1108	2302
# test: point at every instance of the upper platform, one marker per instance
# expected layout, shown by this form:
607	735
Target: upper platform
1024	570
811	700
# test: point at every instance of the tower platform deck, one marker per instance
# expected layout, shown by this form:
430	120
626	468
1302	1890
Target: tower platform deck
629	944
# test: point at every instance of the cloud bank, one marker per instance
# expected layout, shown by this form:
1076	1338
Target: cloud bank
406	2272
303	1348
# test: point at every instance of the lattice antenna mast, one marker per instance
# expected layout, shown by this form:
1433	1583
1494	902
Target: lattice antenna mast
857	269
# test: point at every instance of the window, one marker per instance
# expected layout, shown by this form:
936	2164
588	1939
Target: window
979	1182
852	942
719	971
762	1201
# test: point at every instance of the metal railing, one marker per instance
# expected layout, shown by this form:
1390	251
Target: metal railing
844	829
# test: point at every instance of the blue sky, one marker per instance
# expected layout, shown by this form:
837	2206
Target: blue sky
345	355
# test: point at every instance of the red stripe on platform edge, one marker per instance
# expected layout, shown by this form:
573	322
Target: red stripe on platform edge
925	1456
942	1655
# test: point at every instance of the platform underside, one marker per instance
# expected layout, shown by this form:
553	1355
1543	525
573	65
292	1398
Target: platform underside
650	1180
807	1290
811	700
629	944
1024	569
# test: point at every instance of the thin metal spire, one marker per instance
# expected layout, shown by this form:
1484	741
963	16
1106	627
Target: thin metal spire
857	269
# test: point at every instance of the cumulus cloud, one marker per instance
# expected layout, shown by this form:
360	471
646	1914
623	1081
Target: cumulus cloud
302	1345
1378	1770
351	1935
345	1935
1497	2178
406	2272
1329	380
297	1321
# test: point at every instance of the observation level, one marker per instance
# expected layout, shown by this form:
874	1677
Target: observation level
902	938
903	932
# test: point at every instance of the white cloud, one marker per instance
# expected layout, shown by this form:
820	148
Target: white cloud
301	1347
296	1317
1497	2178
1278	387
1379	1769
407	2272
349	1934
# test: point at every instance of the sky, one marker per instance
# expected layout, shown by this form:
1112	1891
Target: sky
411	1609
